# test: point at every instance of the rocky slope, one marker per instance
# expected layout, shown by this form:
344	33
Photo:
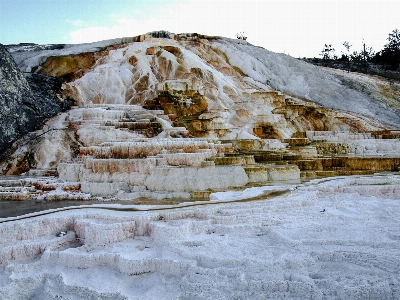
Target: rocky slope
133	71
26	102
181	113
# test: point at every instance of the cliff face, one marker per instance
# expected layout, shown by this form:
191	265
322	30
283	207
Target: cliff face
18	113
25	102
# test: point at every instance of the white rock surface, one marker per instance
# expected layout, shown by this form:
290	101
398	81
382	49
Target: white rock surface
177	179
326	239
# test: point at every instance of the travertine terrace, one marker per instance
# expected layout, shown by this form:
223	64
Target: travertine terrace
178	116
335	238
161	118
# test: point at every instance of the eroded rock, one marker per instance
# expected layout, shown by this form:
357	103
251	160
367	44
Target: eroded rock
26	102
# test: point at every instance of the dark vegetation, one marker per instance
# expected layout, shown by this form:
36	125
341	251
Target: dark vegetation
385	63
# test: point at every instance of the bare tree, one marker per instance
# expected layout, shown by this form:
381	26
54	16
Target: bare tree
347	54
241	36
327	52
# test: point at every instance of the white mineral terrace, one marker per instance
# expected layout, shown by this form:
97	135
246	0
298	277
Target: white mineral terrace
116	159
225	133
336	238
114	162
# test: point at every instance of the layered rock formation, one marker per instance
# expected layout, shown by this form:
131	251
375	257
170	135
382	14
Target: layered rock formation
164	115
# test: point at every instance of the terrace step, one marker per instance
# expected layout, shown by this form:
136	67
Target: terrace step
296	142
15	196
271	172
241	160
264	155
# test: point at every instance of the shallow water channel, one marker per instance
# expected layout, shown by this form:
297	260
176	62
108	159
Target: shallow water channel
19	208
13	208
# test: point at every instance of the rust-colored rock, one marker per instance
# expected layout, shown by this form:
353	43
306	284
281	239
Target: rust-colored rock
69	67
174	50
133	60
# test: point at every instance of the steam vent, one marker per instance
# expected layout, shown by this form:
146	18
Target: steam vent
163	115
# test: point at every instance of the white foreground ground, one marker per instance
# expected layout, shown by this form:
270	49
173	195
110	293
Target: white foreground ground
336	238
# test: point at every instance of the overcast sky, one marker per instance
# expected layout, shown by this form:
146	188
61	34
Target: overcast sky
298	28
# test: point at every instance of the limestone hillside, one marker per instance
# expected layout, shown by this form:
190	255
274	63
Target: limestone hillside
196	101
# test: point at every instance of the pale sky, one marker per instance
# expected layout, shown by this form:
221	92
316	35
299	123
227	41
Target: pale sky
298	28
